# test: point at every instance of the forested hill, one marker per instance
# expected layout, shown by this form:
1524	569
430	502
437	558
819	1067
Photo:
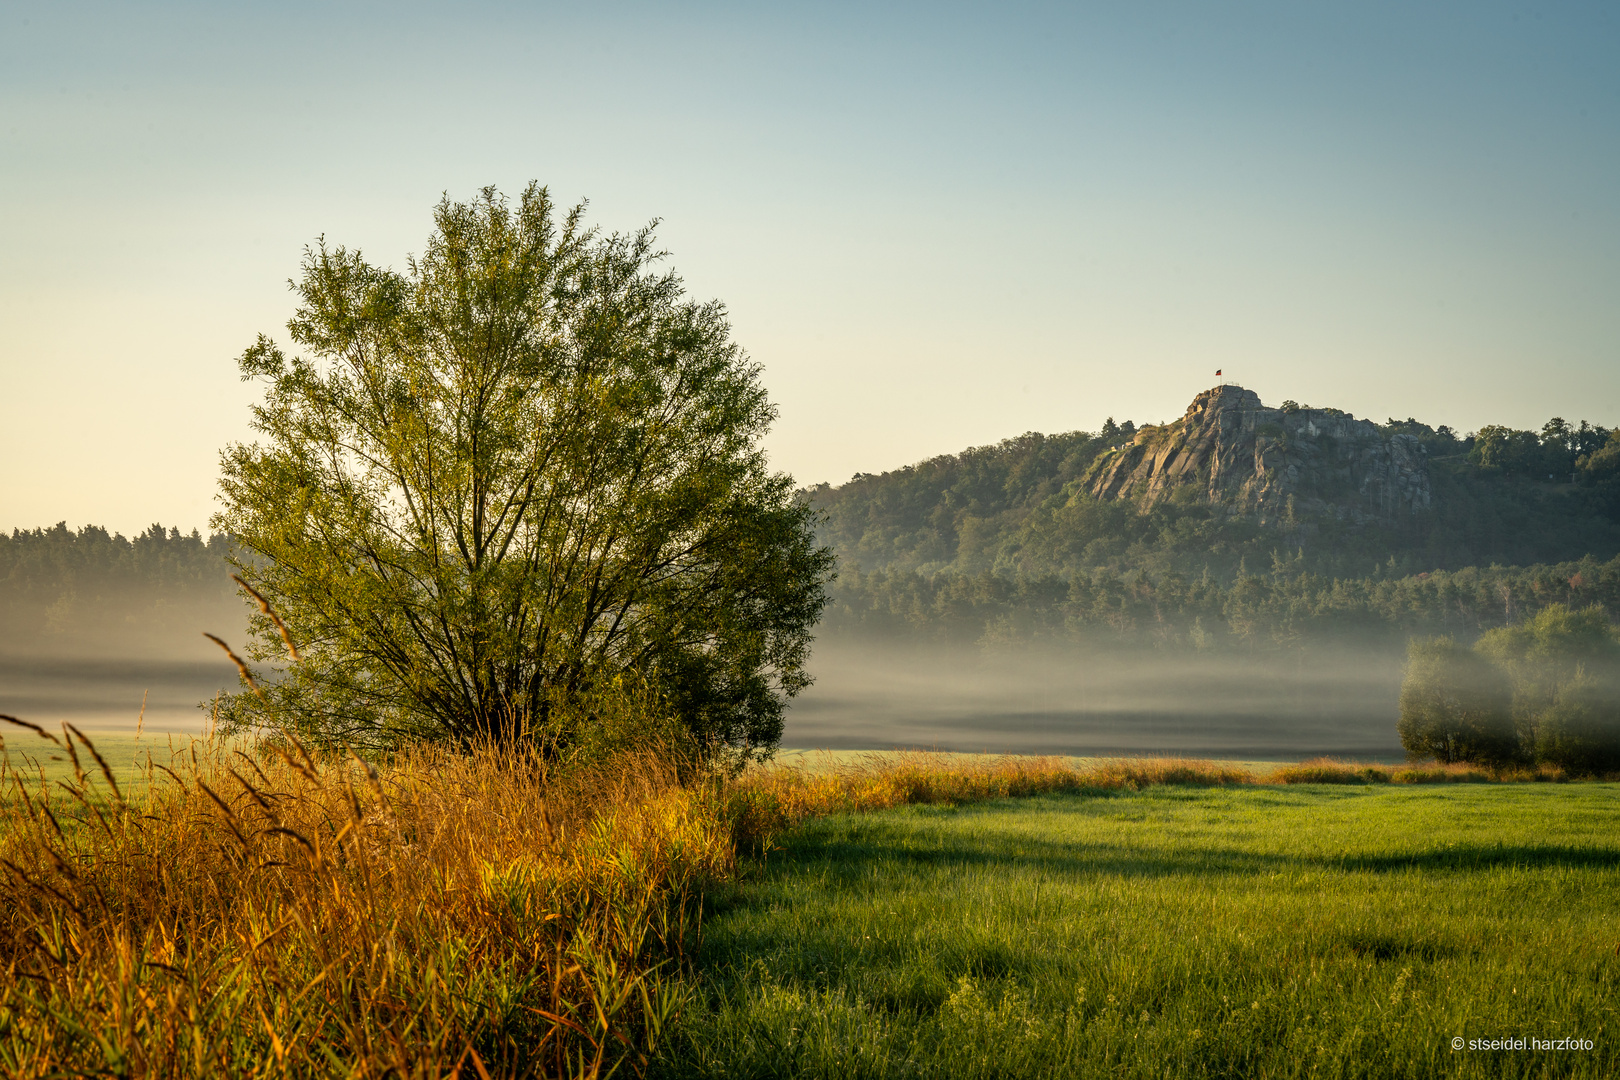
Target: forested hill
1236	487
1236	527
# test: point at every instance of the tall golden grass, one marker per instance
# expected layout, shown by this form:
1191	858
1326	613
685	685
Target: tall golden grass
765	801
1330	771
267	912
261	910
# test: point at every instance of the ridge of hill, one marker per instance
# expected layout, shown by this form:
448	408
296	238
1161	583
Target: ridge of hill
1235	485
1280	465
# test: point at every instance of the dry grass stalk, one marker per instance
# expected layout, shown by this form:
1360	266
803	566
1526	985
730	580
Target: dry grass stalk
241	666
264	606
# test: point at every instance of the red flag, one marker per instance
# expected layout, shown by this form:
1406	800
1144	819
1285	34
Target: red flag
1217	373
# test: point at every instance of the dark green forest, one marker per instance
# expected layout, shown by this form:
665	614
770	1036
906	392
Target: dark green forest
1282	607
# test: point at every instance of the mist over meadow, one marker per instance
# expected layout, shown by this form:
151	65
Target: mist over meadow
873	694
877	695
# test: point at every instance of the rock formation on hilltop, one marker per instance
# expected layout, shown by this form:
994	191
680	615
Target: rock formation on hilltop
1278	465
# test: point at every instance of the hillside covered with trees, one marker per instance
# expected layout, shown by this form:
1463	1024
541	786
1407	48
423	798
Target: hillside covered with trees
1012	542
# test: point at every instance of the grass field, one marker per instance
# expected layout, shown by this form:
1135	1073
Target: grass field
1173	931
23	754
898	915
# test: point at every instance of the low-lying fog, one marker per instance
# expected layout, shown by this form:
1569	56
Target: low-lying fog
873	695
105	695
880	695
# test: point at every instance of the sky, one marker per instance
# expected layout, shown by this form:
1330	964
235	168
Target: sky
934	226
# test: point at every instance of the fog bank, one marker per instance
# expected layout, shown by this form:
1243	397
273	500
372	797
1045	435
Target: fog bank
872	695
879	695
105	695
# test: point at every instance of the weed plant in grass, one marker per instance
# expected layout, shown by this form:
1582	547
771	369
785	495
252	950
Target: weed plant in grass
1252	930
281	914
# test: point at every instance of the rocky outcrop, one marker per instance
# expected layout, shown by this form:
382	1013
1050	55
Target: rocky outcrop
1282	467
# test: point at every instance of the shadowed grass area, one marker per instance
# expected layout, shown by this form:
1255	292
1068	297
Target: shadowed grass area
1234	931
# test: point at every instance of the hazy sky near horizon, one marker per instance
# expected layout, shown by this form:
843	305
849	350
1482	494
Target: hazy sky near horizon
934	225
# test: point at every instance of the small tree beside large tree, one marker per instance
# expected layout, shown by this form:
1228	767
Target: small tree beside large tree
526	468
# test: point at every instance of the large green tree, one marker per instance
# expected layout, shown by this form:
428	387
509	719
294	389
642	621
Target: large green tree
525	467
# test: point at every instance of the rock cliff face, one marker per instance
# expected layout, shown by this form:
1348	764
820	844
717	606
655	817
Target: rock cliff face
1282	467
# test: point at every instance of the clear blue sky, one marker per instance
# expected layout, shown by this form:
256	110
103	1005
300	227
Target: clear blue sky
935	226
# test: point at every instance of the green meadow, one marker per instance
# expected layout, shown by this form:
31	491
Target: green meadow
1269	931
26	755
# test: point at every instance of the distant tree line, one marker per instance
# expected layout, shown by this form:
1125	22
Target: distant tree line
60	585
93	590
1546	690
1282	608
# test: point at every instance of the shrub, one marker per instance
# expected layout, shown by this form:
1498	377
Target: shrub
1455	706
1580	733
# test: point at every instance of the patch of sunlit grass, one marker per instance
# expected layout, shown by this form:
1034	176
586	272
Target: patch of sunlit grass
769	799
1244	930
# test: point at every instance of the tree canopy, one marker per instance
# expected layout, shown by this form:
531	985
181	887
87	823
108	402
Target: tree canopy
525	466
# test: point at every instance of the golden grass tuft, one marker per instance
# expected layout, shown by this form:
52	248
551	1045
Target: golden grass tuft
1331	771
282	914
1146	772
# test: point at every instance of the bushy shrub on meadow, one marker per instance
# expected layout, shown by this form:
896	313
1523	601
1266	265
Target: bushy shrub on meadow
1456	706
1545	691
1580	732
